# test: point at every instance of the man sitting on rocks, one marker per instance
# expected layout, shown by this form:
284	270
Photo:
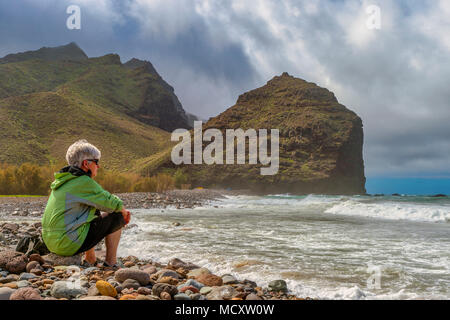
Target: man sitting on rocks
72	223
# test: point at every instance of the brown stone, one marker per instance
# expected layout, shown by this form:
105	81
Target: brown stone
37	257
109	273
145	291
17	264
31	265
37	272
150	269
26	294
12	285
123	274
164	287
62	261
191	288
168	280
210	280
253	296
97	298
176	263
96	278
165	296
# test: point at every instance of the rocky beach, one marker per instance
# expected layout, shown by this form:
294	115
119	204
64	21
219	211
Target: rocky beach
50	277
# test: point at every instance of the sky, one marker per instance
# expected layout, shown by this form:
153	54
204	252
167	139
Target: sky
395	77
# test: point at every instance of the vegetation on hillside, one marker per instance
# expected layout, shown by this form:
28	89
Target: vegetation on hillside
48	101
31	179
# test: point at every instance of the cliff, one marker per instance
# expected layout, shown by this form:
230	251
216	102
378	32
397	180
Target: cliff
320	141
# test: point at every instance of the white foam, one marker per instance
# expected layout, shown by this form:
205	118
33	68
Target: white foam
393	211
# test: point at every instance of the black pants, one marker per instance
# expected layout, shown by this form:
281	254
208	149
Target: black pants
100	228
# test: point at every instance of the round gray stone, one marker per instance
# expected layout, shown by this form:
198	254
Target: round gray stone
181	296
5	293
66	289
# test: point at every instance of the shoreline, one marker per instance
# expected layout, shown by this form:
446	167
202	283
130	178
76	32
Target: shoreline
179	280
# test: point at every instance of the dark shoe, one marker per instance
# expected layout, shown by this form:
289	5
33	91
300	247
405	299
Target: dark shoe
116	266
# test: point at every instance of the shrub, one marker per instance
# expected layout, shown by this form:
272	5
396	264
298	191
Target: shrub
31	179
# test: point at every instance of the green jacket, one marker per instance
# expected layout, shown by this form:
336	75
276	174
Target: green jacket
72	204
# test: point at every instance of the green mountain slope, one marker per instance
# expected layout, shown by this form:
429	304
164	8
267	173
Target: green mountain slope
45	105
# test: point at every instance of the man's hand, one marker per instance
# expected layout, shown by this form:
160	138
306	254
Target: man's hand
126	215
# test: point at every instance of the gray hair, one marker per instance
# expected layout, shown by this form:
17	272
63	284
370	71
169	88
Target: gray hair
80	151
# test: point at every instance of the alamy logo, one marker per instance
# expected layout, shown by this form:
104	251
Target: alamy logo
74	20
214	152
374	19
374	280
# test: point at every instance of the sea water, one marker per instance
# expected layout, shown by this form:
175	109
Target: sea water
326	247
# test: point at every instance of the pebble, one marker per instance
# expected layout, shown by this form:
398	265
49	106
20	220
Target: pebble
253	296
131	283
181	296
123	274
167	273
144	291
26	294
31	265
97	298
27	276
192	282
66	289
278	285
12	285
150	270
23	284
5	293
89	270
166	296
63	261
221	293
105	288
229	279
177	263
37	272
197	272
205	290
93	291
210	280
9	278
168	280
164	287
192	289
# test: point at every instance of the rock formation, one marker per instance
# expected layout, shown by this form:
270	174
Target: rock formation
321	141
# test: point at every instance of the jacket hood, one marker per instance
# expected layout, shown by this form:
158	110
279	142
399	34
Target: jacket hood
67	174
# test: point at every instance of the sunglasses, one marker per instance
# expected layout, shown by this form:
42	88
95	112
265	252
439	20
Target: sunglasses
93	160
